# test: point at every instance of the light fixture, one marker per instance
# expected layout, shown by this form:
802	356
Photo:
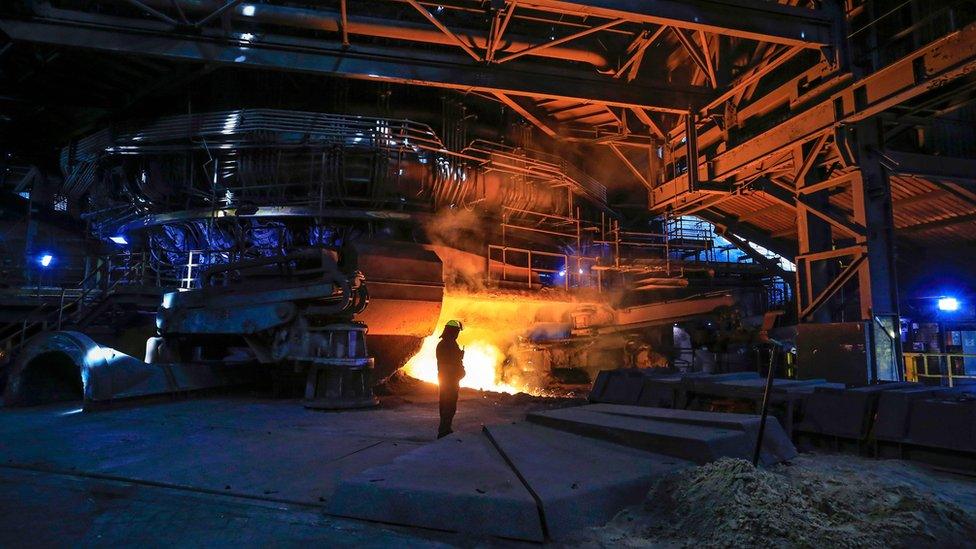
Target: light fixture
119	239
948	304
562	272
45	260
248	10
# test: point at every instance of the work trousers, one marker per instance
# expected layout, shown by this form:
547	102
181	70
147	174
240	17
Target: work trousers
448	405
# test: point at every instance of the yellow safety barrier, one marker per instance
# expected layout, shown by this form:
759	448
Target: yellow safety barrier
950	368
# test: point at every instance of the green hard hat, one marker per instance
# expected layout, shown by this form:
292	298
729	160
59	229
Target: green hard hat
454	324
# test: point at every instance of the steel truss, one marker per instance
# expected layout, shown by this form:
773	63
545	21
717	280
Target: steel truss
510	58
181	28
828	164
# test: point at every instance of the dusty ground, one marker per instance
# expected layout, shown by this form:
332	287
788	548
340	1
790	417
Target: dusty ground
815	501
227	469
248	470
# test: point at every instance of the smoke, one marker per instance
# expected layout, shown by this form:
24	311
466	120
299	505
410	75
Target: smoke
463	271
454	233
455	227
512	338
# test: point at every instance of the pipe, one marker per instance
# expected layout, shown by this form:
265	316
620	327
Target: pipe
330	21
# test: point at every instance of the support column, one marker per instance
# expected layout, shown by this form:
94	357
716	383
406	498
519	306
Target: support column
877	278
835	247
813	236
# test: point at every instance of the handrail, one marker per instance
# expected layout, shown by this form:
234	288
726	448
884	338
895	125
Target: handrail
106	291
945	366
80	285
6	343
530	270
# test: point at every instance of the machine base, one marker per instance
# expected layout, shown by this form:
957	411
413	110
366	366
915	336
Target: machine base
340	384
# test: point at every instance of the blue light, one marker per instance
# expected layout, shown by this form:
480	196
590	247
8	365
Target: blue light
948	304
46	260
119	239
562	272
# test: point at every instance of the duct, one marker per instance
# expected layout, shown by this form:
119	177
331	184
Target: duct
60	366
330	21
658	314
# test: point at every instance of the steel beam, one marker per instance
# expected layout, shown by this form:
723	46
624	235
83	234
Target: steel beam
813	276
558	41
820	209
750	233
928	166
630	165
499	25
873	264
443	28
750	19
230	4
770	265
527	114
344	22
754	75
699	55
878	283
636	50
929	68
652	126
817	301
937	224
389	64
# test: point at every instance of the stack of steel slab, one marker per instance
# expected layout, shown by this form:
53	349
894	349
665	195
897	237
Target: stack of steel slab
663	389
545	478
934	424
844	412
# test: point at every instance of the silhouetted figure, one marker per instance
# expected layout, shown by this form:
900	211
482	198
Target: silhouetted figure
450	370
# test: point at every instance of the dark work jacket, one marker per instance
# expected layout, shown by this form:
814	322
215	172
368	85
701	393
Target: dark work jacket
449	356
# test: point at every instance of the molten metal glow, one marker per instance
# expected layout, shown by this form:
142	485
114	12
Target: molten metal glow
492	325
482	361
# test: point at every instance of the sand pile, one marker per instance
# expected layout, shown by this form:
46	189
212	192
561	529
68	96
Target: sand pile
731	504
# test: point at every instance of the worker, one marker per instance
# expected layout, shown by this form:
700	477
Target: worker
450	370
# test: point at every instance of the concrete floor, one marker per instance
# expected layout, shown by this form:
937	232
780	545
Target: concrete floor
208	471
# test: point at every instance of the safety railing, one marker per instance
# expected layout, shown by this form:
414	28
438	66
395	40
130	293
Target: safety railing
539	269
72	301
948	368
190	275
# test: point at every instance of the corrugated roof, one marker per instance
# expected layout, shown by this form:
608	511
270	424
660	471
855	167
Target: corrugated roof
927	213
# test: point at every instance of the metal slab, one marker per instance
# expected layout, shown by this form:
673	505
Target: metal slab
700	444
459	483
580	482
